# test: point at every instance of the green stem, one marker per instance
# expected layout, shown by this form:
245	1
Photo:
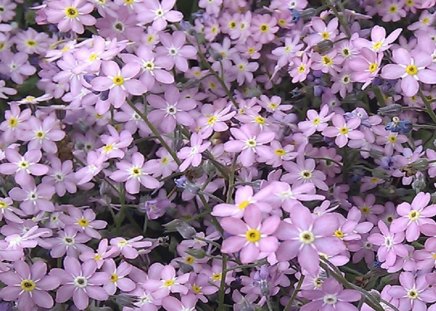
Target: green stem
221	293
428	107
155	132
340	17
294	294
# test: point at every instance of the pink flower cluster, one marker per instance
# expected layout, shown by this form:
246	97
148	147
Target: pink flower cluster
255	155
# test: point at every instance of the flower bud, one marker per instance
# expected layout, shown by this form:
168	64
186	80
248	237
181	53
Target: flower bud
323	47
196	253
390	110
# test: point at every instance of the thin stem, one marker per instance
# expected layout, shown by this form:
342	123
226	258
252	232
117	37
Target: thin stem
428	107
155	132
221	293
340	17
294	294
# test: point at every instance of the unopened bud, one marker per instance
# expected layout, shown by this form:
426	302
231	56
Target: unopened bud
196	253
390	110
323	47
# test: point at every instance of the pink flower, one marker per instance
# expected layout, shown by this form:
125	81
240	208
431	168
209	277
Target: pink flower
129	248
379	42
22	167
302	172
162	280
390	244
175	50
331	296
253	238
263	28
43	134
187	303
84	221
80	282
33	198
305	236
158	13
154	67
170	110
29	286
192	155
243	198
316	122
16	66
343	131
411	68
281	194
117	277
120	83
414	292
134	174
413	216
365	66
300	68
70	14
249	140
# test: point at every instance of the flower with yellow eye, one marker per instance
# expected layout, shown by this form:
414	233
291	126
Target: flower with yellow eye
414	215
253	238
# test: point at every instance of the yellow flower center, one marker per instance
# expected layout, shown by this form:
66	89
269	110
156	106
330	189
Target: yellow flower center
136	171
301	68
83	222
339	234
412	294
189	260
344	131
372	67
40	134
365	209
169	283
118	80
3	204
27	285
31	43
196	289
433	256
23	165
264	28
212	120
216	277
411	70
280	152
71	12
393	8
243	204
327	61
252	235
164	160
251	143
377	45
259	120
392	139
92	57
307	237
316	121
13	122
114	278
414	215
325	35
306	174
232	24
97	257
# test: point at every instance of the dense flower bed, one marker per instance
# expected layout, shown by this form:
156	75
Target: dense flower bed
218	155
